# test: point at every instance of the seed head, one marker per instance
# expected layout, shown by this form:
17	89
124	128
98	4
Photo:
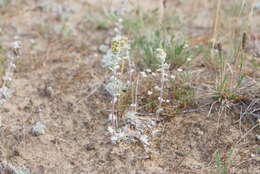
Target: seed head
160	55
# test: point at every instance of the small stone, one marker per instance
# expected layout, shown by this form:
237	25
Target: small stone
258	137
16	152
90	147
48	91
38	129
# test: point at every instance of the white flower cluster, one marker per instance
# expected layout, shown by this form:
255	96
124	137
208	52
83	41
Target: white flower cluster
160	55
12	56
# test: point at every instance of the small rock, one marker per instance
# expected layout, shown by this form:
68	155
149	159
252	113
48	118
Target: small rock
38	129
48	91
16	152
258	137
90	147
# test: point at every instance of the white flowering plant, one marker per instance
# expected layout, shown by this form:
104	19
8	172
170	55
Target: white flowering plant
139	91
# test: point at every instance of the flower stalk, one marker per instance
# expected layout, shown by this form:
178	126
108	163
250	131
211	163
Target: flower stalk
12	56
161	56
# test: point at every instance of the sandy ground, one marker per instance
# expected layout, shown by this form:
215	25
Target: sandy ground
76	139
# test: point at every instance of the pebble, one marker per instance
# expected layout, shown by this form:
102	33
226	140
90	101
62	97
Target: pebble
48	91
38	129
258	137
